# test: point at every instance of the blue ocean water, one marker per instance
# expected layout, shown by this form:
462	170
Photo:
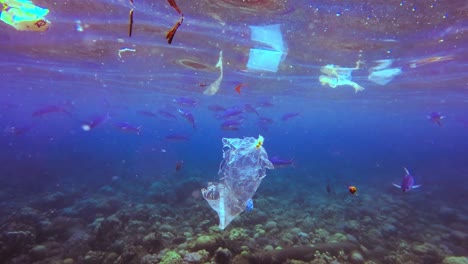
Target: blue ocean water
99	163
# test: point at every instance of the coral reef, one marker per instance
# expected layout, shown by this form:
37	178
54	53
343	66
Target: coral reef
107	227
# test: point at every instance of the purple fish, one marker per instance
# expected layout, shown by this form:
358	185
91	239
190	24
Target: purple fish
187	115
249	108
265	120
231	124
167	114
126	127
50	109
87	126
185	101
407	183
177	137
435	117
278	162
216	108
231	112
288	116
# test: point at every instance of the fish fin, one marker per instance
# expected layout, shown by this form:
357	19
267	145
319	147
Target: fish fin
416	186
396	185
406	171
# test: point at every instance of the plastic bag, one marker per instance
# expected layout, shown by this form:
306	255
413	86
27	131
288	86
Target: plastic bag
243	167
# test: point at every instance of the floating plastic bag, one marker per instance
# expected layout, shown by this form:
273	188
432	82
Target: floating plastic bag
243	167
384	76
271	50
335	76
24	15
381	74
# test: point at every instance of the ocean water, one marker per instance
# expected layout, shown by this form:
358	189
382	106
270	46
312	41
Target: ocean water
101	163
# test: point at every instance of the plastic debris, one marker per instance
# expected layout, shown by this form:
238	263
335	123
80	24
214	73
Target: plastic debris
271	50
79	27
213	88
23	15
384	76
243	167
425	61
122	50
380	74
337	76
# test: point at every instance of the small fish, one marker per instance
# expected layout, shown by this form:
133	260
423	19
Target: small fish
231	112
130	23
407	183
279	163
177	137
174	5
352	189
179	165
288	116
230	128
329	189
126	127
216	108
167	114
187	115
249	108
435	117
231	124
87	126
185	101
265	120
238	88
50	109
202	84
249	205
171	33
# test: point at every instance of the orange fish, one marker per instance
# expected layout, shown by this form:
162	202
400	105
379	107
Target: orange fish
238	88
174	5
170	34
352	189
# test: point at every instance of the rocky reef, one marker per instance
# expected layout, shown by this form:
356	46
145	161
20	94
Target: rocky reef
111	225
